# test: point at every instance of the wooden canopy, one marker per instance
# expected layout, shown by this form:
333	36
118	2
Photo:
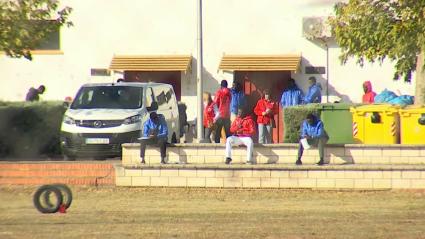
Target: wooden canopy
288	62
151	63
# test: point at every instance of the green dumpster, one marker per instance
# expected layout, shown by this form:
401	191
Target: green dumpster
338	122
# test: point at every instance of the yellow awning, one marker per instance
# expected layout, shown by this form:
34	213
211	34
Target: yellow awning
151	63
288	62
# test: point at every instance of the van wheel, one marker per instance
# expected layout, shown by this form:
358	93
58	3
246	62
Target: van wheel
174	138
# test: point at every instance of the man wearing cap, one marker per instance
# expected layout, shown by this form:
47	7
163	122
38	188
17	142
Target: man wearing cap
222	100
155	132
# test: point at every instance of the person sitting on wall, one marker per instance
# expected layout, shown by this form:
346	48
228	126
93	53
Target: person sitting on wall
314	94
314	133
34	94
292	95
242	129
238	100
265	110
155	132
222	99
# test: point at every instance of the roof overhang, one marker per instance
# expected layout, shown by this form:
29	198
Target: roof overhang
288	62
151	63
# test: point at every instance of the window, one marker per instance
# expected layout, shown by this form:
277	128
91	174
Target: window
108	97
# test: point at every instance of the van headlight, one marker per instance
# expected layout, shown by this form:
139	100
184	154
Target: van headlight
133	119
68	120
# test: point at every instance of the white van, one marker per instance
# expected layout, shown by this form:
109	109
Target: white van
104	116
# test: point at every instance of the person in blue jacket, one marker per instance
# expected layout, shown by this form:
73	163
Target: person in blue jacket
238	100
292	95
314	94
155	132
313	130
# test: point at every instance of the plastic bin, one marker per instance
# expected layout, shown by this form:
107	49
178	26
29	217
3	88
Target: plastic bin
376	124
338	122
412	125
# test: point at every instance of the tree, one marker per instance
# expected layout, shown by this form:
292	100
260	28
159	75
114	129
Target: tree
24	24
375	30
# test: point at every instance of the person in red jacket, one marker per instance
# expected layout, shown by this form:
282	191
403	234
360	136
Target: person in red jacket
265	110
222	99
242	129
210	110
369	95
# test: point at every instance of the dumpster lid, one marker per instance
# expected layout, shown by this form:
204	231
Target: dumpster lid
376	108
414	109
336	106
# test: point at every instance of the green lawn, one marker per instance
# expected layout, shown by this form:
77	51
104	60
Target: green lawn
201	213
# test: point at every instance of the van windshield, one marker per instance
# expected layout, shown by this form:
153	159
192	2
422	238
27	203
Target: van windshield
108	97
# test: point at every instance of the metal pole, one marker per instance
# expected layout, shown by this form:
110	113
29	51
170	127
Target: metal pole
200	65
327	73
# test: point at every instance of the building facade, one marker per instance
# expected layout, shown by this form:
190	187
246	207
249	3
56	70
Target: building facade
105	29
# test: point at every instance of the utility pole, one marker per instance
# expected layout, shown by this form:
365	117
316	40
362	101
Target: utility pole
199	70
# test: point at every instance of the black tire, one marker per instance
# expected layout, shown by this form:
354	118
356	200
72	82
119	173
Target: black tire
66	195
48	206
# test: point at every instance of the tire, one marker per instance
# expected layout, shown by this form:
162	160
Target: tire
66	195
48	206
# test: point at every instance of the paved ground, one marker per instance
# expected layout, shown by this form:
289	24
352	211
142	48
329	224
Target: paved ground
199	213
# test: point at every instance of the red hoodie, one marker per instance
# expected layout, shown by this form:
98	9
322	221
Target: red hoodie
262	106
209	114
243	127
369	96
222	99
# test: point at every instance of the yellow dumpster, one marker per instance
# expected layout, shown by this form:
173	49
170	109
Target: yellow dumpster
376	124
412	129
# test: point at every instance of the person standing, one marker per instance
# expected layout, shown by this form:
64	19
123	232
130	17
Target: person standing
314	94
155	132
314	132
222	100
238	99
369	95
242	129
265	110
210	110
34	94
292	95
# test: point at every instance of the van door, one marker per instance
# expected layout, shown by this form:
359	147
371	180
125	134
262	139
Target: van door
163	108
174	110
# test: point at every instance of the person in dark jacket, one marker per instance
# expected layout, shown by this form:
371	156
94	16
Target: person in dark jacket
222	100
243	128
34	94
155	132
314	94
292	95
238	99
314	132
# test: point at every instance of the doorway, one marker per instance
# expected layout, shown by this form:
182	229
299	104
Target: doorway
254	84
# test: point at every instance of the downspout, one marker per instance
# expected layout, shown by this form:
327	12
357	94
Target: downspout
199	71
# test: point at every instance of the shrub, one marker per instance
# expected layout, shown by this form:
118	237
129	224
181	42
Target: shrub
293	117
30	129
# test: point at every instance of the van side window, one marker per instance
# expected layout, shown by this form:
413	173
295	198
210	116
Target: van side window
160	97
149	97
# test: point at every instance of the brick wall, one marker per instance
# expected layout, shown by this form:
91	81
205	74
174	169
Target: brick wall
75	173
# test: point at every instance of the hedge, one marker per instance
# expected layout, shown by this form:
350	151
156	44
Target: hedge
30	129
293	117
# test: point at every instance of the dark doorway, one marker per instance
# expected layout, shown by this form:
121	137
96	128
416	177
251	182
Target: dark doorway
169	77
254	84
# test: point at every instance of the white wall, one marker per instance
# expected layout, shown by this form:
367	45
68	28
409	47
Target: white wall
104	28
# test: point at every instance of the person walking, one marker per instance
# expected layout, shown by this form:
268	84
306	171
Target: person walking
155	132
242	129
222	100
265	110
238	99
314	94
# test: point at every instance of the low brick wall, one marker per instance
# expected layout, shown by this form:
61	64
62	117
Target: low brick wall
73	173
274	176
282	153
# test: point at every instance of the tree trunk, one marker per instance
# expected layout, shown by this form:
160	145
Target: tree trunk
420	81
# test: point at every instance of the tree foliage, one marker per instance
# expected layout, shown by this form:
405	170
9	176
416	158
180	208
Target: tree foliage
24	24
374	30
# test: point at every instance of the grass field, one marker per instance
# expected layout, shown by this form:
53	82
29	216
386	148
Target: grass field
198	213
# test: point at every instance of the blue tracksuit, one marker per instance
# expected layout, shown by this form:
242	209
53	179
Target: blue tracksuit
314	95
315	131
238	100
161	127
292	96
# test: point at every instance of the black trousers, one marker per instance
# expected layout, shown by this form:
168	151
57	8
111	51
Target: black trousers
220	123
207	135
160	142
